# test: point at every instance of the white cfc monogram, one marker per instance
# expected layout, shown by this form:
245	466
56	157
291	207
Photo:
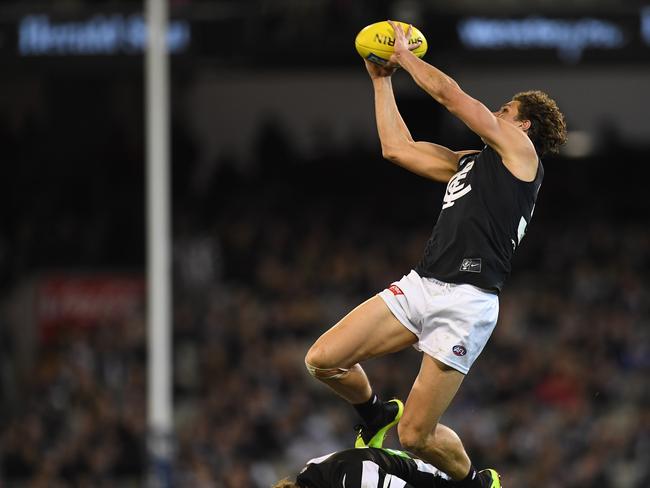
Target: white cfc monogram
457	187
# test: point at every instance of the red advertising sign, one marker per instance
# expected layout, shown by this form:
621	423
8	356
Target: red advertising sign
87	300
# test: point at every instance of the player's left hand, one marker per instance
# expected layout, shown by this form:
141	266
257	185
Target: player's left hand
402	41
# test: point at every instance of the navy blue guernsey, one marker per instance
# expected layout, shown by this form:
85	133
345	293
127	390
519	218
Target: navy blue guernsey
484	216
369	468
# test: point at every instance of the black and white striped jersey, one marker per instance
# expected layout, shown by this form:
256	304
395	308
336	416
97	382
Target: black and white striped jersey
370	468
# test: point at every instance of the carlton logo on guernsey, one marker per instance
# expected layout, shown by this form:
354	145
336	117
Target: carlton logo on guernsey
485	213
457	187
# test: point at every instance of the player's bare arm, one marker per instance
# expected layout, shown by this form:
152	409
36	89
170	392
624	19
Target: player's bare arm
500	130
426	159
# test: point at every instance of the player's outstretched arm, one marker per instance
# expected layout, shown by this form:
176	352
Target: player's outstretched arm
429	160
509	140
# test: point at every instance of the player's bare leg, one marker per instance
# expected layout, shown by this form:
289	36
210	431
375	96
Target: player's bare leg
368	331
420	431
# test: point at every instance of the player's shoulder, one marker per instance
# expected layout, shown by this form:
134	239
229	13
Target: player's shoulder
519	156
371	453
525	168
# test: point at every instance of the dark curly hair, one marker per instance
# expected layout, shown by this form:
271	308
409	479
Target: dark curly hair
547	127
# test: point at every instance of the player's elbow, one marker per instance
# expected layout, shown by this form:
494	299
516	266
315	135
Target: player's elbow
392	153
391	156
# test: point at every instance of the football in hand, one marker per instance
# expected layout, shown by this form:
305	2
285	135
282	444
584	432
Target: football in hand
375	41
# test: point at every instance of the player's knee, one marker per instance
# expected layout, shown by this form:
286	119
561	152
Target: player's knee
326	373
316	357
319	366
413	438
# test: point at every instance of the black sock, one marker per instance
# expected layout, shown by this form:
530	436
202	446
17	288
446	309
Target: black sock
471	480
371	410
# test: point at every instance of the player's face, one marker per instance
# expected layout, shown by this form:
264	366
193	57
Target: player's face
508	111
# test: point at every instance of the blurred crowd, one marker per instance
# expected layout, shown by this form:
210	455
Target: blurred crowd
559	398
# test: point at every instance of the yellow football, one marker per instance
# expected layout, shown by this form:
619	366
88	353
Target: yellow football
375	42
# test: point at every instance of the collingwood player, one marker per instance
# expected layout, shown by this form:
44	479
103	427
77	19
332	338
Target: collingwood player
368	468
447	305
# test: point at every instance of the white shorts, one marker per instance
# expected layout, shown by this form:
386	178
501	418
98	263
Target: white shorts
452	322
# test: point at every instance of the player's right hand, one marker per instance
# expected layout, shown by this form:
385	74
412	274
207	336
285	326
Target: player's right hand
376	71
